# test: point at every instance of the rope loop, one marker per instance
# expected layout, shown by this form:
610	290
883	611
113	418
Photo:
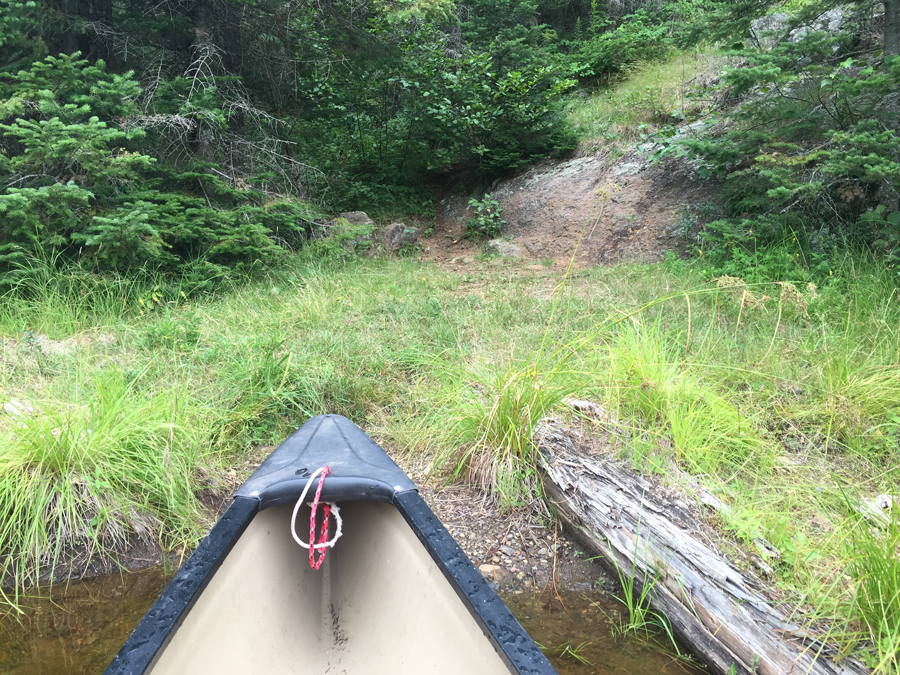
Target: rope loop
328	509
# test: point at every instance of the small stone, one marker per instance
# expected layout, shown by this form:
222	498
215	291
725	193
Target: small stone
506	550
357	218
492	572
397	235
20	409
503	248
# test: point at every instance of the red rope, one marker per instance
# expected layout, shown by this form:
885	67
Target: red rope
326	512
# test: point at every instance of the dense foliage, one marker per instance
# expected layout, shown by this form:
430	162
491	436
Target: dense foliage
805	145
197	136
209	137
79	182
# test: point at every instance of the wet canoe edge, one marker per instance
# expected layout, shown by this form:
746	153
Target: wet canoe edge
361	471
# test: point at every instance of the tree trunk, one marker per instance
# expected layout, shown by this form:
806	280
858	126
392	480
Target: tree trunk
892	26
203	55
721	613
233	56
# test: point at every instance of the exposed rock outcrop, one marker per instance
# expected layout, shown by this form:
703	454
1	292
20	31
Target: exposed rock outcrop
553	207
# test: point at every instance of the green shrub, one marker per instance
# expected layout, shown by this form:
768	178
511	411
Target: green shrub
486	221
80	181
807	157
419	110
641	36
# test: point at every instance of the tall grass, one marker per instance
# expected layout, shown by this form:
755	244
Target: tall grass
86	476
651	381
486	425
37	294
642	620
649	96
875	568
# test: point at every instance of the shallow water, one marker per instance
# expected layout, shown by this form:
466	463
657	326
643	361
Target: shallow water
82	626
574	629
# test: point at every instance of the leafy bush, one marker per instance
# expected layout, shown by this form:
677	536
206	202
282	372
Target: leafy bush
641	36
487	219
388	120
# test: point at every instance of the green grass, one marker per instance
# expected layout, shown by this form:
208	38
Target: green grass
573	652
778	409
641	621
875	568
114	462
484	426
649	96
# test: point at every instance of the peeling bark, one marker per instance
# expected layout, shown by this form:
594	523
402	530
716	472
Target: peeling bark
721	613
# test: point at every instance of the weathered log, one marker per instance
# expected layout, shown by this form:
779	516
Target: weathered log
721	613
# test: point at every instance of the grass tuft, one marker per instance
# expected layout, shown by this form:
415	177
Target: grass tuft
85	477
490	420
657	388
875	568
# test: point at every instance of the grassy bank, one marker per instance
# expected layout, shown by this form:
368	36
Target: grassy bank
646	98
784	400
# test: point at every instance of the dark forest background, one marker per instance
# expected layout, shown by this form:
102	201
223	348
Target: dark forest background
204	135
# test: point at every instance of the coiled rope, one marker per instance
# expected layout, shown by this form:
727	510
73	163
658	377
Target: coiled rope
327	509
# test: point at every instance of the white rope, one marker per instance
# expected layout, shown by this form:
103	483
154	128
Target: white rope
336	512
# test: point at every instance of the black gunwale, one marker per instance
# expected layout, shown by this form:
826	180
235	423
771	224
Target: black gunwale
504	631
512	643
159	624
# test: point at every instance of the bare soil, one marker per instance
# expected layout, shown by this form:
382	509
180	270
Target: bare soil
515	550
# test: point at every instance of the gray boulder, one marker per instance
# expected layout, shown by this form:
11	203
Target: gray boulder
397	235
503	248
768	31
352	236
357	218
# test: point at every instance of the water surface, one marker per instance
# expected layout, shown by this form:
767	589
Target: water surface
575	631
81	626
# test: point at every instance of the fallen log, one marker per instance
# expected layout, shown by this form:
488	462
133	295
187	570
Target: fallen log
721	613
